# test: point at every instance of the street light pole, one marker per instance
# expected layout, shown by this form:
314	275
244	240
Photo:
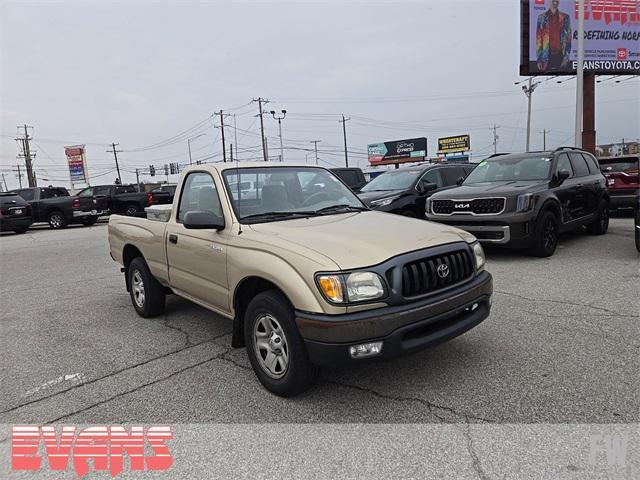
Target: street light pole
189	145
580	75
279	118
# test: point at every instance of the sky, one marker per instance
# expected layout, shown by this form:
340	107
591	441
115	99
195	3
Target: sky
149	75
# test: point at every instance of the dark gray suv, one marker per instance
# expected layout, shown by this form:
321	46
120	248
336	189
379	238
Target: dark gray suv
526	200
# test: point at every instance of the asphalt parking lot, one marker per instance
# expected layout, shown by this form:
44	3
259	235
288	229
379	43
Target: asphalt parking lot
561	345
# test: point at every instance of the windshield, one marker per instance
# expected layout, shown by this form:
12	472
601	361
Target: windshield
619	165
265	194
510	169
392	180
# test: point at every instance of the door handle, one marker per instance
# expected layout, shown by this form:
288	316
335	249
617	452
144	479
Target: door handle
173	238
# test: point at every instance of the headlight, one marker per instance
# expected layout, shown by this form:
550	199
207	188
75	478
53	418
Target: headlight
383	202
351	287
478	253
525	202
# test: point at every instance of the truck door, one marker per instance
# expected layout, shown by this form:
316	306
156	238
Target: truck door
584	189
197	259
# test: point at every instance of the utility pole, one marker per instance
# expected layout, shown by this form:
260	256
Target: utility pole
580	75
235	134
231	152
284	114
344	134
5	183
224	148
137	180
26	153
544	138
115	156
315	147
19	175
495	137
260	101
528	91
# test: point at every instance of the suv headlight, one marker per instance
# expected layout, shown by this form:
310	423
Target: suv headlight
383	202
525	202
478	254
351	287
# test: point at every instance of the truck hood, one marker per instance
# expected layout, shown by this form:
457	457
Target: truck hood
357	240
491	189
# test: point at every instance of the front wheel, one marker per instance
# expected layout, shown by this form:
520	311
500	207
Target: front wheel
274	346
21	230
131	210
600	224
147	295
546	235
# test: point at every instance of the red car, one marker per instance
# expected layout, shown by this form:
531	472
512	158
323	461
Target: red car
623	179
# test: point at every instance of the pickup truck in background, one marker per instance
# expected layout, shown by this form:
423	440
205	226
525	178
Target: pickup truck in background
121	199
55	206
163	194
307	274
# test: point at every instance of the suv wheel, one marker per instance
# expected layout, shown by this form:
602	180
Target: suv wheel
147	295
274	346
131	210
600	224
57	220
546	236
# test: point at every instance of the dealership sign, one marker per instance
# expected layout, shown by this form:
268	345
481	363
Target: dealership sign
400	151
461	143
77	163
550	38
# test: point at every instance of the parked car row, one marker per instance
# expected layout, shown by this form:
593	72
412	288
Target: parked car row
55	206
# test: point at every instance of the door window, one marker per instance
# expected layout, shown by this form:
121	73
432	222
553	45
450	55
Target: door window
452	174
27	195
199	194
579	164
87	192
103	190
432	176
564	164
591	162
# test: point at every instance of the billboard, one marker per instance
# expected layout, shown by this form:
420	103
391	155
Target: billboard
77	164
399	151
549	37
460	143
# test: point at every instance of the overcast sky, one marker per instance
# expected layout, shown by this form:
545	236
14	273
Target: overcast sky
140	73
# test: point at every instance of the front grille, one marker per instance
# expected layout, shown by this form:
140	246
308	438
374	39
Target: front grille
478	206
421	276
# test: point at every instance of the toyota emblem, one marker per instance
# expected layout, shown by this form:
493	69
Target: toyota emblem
443	270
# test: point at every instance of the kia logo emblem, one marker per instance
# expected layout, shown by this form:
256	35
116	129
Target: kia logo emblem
462	205
443	270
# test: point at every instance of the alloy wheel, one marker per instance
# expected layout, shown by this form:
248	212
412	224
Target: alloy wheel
270	345
137	286
550	235
55	221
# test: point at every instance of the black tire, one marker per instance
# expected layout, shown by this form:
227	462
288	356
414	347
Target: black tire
131	209
21	230
147	295
88	221
57	220
409	213
600	224
292	371
547	234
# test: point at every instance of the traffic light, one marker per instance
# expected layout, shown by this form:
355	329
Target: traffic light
166	169
172	168
152	170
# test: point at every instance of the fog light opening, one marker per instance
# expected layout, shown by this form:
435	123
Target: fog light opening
365	350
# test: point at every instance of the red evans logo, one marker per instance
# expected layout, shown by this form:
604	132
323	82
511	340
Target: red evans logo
106	446
622	54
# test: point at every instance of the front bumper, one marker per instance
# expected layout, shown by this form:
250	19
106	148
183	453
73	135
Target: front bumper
514	229
403	328
89	213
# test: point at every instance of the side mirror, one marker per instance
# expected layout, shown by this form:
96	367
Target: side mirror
203	220
562	175
459	181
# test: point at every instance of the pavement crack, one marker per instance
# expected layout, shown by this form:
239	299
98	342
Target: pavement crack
187	339
114	373
475	460
565	302
432	407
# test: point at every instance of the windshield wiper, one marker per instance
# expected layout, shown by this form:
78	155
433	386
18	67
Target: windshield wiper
271	215
342	206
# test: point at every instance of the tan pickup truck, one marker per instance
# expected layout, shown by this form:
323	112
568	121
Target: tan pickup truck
307	274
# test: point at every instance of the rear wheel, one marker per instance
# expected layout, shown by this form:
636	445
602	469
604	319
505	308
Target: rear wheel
274	346
131	210
600	224
21	230
57	220
546	236
147	294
